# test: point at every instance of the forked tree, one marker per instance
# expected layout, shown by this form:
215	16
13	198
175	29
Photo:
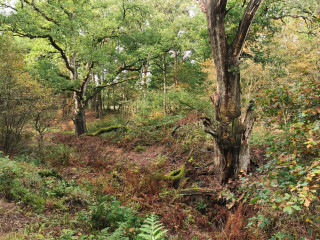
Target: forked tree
85	36
232	126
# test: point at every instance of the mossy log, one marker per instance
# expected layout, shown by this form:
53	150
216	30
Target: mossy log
177	174
197	191
108	129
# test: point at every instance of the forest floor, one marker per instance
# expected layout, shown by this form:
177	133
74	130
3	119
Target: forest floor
134	172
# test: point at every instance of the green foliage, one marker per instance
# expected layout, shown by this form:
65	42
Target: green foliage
108	129
177	174
182	102
290	182
108	213
152	229
17	184
105	123
57	155
201	205
103	216
106	218
178	102
18	94
139	149
34	187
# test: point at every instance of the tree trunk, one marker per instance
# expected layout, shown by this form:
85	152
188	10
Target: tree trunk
79	118
175	67
98	100
164	71
232	131
99	105
80	122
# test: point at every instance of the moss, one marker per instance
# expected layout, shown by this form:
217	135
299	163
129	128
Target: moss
108	129
139	149
177	174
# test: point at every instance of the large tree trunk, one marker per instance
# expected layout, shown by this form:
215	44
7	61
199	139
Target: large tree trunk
79	118
232	131
231	137
80	100
80	122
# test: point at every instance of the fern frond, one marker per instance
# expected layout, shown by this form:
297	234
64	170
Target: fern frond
152	229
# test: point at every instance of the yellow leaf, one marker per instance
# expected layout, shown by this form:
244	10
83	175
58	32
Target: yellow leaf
306	203
308	220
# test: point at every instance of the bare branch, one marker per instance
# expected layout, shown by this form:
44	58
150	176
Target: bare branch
130	68
115	83
216	12
86	80
305	18
202	4
53	44
101	40
43	14
101	87
64	76
71	89
208	128
62	53
243	28
64	10
7	6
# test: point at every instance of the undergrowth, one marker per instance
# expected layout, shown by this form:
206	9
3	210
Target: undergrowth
44	190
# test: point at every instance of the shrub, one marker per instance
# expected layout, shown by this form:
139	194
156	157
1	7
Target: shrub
108	213
18	185
288	192
58	155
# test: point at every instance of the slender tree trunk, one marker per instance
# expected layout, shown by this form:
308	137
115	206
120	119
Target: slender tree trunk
108	99
175	67
99	105
164	70
65	107
114	100
144	77
98	101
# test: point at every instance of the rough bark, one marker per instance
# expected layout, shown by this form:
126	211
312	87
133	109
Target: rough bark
232	132
79	118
